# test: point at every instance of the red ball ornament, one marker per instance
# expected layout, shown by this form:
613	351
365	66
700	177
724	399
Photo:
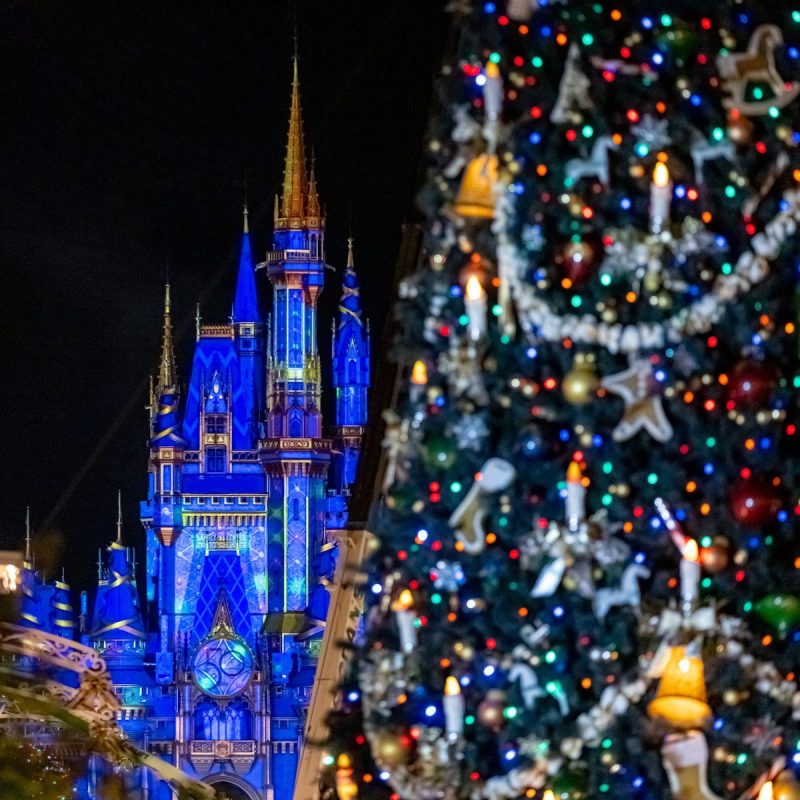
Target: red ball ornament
579	259
755	502
751	383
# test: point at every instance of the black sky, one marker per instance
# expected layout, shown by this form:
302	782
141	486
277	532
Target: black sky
127	131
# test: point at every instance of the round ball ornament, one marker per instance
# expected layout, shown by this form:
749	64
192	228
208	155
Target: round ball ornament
490	709
786	786
754	501
391	749
716	556
781	611
571	783
401	498
740	129
581	382
439	451
579	258
530	443
679	40
751	383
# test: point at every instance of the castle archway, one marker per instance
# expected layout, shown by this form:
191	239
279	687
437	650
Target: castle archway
230	787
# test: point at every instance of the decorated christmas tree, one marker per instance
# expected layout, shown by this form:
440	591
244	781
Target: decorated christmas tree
588	577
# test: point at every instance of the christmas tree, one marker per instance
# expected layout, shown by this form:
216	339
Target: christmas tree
588	577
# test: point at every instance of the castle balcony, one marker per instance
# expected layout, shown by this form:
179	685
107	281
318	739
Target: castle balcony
240	752
276	256
223	331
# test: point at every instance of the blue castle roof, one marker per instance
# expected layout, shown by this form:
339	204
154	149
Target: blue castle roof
116	609
245	302
63	616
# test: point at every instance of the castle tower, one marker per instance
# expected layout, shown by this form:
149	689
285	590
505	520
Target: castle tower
351	364
294	455
118	634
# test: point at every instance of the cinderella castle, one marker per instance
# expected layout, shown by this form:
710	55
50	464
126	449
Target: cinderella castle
214	662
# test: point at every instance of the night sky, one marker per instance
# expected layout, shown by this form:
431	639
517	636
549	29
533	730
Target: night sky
128	132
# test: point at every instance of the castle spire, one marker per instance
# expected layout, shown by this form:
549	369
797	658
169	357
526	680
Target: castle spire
28	554
245	302
119	516
313	196
350	303
29	611
166	369
295	185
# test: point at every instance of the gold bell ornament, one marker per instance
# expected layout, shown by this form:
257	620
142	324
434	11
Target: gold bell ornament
476	194
784	786
681	695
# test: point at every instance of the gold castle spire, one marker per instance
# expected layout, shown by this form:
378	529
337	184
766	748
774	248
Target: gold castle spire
295	184
313	198
166	369
350	263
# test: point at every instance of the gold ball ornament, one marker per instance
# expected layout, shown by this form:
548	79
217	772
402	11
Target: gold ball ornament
716	556
581	382
390	749
652	281
490	709
733	697
786	786
740	129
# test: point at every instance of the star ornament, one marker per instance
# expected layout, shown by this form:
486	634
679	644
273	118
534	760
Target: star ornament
644	410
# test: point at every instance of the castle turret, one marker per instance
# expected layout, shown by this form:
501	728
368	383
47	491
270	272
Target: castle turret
118	634
249	330
118	628
351	368
30	615
166	445
63	615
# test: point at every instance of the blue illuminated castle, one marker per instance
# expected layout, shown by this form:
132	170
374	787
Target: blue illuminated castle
245	493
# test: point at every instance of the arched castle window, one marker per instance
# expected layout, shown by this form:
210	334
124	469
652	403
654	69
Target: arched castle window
231	722
296	422
207	721
237	724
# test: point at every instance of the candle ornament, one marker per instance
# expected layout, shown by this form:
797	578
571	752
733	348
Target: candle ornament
405	617
660	198
453	704
475	306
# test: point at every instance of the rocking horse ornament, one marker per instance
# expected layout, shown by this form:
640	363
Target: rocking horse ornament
756	68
